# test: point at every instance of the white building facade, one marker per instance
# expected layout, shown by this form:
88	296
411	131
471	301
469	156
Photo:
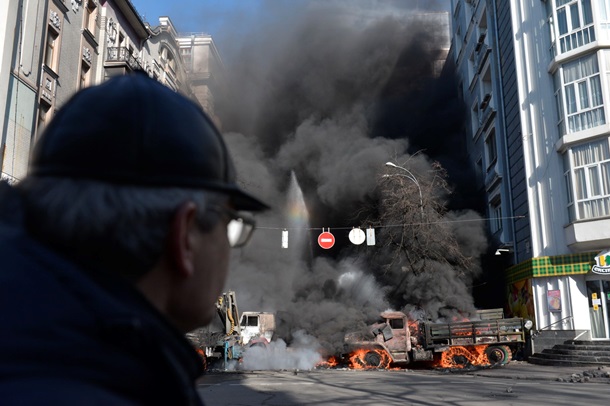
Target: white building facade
535	76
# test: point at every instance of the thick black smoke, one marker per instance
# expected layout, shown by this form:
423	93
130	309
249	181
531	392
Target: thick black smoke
330	94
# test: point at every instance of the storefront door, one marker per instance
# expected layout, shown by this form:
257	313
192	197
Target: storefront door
598	292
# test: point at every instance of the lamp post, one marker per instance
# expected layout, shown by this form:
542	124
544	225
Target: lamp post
411	177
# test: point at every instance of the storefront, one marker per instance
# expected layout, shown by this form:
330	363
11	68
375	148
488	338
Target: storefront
598	294
569	293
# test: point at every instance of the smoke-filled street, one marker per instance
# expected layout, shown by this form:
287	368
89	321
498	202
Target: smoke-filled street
317	102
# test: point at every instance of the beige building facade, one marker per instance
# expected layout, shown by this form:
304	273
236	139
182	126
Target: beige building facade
52	48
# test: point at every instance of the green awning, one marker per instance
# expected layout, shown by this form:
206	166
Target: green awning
558	265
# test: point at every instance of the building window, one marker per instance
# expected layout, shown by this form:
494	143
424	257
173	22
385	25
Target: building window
582	94
85	73
186	54
44	112
486	89
569	188
588	182
474	118
458	39
90	16
561	125
168	58
491	153
495	216
52	49
603	17
478	168
574	24
471	70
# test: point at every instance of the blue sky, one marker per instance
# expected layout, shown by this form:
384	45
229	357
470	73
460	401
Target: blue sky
218	17
197	15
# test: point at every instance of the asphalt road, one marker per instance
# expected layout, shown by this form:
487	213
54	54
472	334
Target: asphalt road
518	385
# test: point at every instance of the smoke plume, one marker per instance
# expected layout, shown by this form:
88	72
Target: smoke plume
331	91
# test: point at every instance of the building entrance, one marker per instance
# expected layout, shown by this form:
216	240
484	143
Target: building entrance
598	293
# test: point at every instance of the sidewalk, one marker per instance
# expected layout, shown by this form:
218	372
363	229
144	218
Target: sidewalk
527	371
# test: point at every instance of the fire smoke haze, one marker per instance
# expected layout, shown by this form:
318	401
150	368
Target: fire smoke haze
331	90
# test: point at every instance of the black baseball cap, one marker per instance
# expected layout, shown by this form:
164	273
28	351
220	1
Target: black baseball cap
133	130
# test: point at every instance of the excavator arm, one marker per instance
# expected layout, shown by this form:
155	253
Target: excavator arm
228	312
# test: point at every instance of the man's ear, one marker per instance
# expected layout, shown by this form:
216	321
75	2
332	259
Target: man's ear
180	242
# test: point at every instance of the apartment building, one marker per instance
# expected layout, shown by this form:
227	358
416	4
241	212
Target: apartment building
535	78
52	48
204	67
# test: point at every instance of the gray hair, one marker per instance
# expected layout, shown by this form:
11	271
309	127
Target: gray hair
113	227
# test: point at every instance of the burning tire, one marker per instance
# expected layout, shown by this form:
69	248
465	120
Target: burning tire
456	358
498	354
370	359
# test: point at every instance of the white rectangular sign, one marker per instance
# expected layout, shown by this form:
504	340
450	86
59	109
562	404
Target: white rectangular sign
370	236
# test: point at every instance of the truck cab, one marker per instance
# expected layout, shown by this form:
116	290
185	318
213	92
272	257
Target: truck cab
387	341
257	327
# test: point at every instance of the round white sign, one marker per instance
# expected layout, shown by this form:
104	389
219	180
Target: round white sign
356	236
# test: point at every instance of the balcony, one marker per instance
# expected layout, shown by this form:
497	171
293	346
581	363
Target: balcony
124	56
588	235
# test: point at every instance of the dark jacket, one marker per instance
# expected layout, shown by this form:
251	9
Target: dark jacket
75	336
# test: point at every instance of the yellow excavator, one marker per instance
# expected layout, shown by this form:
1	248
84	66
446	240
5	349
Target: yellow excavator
238	333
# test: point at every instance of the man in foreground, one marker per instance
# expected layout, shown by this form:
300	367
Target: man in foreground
113	247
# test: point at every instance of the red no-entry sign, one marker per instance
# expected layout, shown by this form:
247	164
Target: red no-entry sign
326	240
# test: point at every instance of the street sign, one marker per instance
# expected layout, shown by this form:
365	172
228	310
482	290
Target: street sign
370	236
356	236
326	240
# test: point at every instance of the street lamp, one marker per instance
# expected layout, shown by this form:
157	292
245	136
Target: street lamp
411	177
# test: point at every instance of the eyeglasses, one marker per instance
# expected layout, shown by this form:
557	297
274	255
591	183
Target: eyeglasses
240	227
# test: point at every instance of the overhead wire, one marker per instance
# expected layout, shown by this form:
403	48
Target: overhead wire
389	225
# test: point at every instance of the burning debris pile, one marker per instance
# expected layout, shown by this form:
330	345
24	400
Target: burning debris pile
329	95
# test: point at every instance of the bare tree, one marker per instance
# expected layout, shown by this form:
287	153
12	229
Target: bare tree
415	239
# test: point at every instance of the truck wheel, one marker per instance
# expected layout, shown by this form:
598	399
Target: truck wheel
372	359
498	354
456	357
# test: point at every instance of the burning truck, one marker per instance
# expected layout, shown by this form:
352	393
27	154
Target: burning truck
397	340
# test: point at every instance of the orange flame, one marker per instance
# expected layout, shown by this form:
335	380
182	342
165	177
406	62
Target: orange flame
331	362
369	358
461	357
204	359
